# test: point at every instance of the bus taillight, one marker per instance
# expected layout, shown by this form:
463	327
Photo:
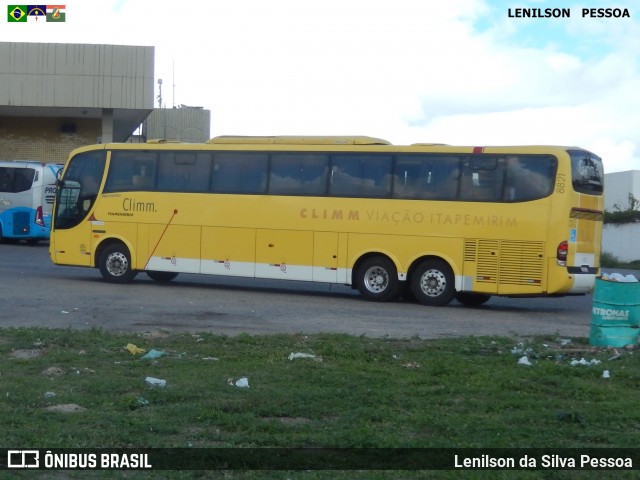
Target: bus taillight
39	220
563	250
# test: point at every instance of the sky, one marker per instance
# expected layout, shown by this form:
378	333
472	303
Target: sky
460	72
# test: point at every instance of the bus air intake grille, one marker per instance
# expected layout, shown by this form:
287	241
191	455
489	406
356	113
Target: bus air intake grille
487	261
470	250
506	262
521	263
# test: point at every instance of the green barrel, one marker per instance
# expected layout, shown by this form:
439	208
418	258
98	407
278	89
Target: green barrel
615	316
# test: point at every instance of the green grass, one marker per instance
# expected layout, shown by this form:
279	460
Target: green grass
357	392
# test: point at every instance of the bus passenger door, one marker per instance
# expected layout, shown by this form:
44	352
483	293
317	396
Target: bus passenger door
75	246
325	257
284	254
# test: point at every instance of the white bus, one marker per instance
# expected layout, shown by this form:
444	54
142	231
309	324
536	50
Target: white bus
27	191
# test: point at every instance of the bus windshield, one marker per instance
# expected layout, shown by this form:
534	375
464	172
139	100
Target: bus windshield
78	191
587	172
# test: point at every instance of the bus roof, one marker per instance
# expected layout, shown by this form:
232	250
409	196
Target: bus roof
299	140
162	140
26	163
327	143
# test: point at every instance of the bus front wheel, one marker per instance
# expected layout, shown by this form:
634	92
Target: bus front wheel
432	283
378	279
115	264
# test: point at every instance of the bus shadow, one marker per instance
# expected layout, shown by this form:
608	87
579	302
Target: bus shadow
497	305
249	285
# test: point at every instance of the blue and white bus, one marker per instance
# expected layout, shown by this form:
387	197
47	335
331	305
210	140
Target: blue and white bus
27	191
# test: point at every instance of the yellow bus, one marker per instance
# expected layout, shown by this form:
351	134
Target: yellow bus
428	221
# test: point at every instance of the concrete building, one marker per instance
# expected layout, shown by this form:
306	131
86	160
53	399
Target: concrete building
618	186
621	240
56	97
184	124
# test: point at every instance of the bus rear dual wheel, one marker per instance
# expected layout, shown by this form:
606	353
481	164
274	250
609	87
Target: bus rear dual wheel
431	283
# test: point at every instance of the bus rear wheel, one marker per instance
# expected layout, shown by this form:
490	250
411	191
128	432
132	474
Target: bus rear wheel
115	264
161	277
432	283
377	279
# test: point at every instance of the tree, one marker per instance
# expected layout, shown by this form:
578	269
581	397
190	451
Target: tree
630	215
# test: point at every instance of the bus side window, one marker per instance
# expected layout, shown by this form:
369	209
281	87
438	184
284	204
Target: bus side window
6	182
131	171
16	180
529	178
298	174
426	177
360	175
482	179
239	172
184	171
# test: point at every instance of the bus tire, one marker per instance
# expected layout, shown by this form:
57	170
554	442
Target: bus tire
432	283
115	264
377	280
469	299
161	277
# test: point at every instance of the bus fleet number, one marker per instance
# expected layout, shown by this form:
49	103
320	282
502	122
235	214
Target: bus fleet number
560	183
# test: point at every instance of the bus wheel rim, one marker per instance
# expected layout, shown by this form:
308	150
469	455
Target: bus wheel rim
117	264
376	279
433	283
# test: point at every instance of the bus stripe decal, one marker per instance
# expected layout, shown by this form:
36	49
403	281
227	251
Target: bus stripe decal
175	212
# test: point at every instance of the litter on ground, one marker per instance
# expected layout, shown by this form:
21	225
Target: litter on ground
293	356
134	349
618	277
152	354
524	361
156	381
240	383
586	363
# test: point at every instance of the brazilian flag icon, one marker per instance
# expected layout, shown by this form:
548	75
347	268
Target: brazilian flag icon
16	13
